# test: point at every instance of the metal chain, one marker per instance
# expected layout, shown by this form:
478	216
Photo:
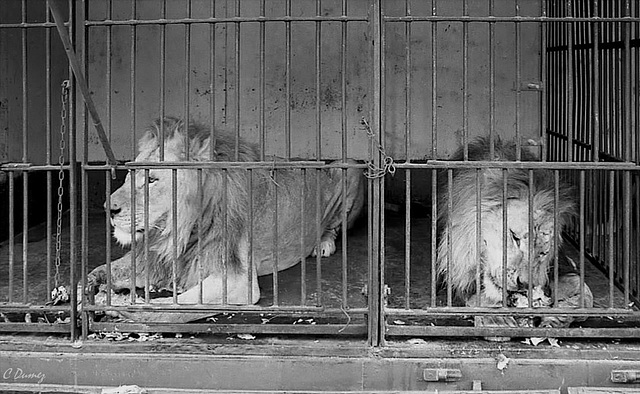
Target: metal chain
388	166
59	293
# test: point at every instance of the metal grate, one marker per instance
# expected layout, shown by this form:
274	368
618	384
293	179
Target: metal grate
396	85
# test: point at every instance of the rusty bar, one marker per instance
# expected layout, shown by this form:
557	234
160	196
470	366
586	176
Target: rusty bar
108	74
434	235
25	86
318	239
518	64
201	208
582	235
465	82
532	237
49	145
456	331
73	185
556	235
628	127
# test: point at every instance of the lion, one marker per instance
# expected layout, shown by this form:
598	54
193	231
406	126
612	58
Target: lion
457	229
225	228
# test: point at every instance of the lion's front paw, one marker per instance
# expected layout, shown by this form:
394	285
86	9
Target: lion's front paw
327	248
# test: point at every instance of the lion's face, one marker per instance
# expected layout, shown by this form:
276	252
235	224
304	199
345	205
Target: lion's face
159	185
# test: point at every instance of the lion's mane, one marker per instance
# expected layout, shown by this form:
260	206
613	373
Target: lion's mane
202	212
457	226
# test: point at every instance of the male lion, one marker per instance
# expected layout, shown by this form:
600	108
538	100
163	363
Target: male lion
229	221
458	236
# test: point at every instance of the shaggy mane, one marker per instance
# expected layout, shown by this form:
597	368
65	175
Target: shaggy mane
201	214
460	272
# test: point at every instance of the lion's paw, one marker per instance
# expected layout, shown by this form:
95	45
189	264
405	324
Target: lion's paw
327	248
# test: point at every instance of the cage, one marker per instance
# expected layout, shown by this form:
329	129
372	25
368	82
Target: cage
274	121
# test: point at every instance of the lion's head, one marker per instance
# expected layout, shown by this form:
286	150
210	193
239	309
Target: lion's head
463	257
198	196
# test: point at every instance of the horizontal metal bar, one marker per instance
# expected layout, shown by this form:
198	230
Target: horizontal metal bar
28	25
16	307
172	21
35	327
453	331
31	167
457	311
319	311
305	329
240	164
550	165
494	19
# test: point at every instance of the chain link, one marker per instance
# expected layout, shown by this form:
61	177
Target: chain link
388	166
56	293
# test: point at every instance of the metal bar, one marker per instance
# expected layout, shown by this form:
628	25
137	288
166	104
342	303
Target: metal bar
544	116
581	236
434	84
275	249
187	81
434	238
407	148
107	203
570	81
287	112
12	234
73	193
132	79
250	255
518	62
479	240
611	220
343	123
212	83
506	19
174	229
263	84
277	329
303	236
82	84
49	147
492	82
449	235
573	332
318	74
147	263
134	248
237	81
212	20
249	309
163	66
504	311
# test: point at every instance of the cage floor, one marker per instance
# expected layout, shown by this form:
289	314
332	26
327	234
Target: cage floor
325	287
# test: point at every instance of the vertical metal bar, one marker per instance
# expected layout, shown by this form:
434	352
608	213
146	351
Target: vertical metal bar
532	237
263	84
434	233
319	297
343	122
132	78
237	81
12	233
147	284
72	172
376	307
48	145
543	80
449	235
628	124
25	154
434	81
478	232
287	112
212	89
556	235
465	82
274	183
318	71
174	230
611	219
505	228
569	86
134	247
107	199
518	28
251	236
303	236
108	70
582	235
407	141
492	82
187	79
163	54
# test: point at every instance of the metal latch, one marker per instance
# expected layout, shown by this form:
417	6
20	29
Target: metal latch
625	376
441	374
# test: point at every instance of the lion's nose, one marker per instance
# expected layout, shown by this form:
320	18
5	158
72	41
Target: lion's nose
114	211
